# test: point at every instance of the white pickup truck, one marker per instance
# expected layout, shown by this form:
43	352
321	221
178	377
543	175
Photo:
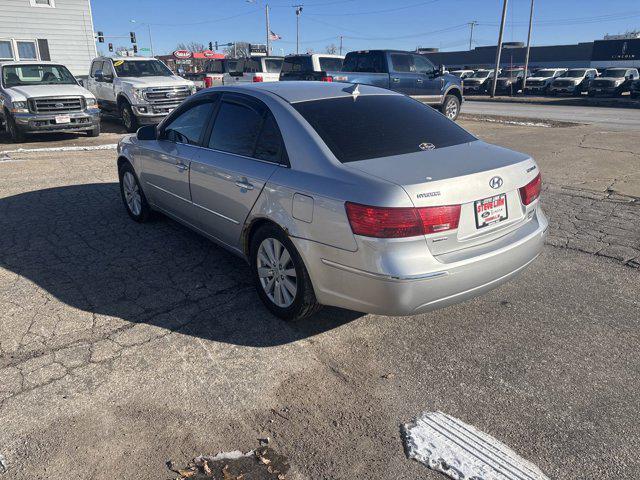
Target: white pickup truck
40	96
141	91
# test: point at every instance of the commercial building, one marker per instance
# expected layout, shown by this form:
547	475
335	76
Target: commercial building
57	30
599	54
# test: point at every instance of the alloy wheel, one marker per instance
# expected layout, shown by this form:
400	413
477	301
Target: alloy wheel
277	272
451	110
126	118
132	193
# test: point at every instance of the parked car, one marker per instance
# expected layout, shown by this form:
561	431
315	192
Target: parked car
463	74
222	71
345	195
316	66
258	69
479	82
574	81
139	90
41	97
634	90
540	81
510	81
405	72
613	81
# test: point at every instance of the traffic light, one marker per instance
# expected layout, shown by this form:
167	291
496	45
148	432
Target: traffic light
133	37
111	47
100	37
135	49
210	46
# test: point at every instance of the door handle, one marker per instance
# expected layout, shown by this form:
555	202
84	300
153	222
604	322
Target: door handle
245	185
395	79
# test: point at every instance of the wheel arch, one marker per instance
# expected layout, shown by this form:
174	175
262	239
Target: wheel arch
453	90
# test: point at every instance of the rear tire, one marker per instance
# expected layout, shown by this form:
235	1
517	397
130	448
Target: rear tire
280	276
129	120
451	107
16	135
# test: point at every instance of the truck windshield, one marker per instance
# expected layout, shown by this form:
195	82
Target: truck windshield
141	68
614	73
545	73
34	74
373	126
481	74
579	73
512	73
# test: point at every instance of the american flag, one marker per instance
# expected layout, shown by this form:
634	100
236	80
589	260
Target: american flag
274	36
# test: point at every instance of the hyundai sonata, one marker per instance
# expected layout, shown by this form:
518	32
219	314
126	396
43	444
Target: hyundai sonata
336	194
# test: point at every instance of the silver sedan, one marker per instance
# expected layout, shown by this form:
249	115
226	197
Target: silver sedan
336	194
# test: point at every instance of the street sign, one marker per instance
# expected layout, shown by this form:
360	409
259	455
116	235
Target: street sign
144	49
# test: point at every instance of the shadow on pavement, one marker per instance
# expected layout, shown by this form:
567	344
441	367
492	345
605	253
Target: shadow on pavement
78	244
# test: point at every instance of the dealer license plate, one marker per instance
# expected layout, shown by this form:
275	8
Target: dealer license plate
63	119
491	210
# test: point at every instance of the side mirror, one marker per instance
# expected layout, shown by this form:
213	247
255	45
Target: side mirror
99	76
441	70
148	132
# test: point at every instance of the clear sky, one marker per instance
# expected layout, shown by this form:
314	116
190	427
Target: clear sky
401	24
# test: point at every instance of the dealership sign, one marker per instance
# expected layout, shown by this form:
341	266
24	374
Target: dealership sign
209	54
182	54
627	49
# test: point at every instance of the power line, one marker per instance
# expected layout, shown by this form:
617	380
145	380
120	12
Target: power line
573	21
372	12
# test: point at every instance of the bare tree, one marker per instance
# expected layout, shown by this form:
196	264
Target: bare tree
242	49
332	48
191	46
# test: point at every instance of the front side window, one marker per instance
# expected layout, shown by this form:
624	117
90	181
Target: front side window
141	68
236	128
379	126
6	50
23	75
27	50
189	126
95	67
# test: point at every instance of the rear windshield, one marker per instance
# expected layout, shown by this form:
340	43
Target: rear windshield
297	64
329	64
273	65
373	126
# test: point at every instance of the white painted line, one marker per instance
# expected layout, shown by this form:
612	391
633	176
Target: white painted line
450	446
87	148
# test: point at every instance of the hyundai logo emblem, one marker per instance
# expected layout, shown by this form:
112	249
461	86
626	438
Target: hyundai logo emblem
426	146
495	182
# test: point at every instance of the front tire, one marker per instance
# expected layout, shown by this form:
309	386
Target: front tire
132	195
94	132
129	119
16	135
451	107
280	276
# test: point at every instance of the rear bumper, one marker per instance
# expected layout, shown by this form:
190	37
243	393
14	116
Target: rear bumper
452	279
35	123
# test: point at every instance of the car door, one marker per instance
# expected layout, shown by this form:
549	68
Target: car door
403	76
428	82
106	87
92	84
166	162
243	150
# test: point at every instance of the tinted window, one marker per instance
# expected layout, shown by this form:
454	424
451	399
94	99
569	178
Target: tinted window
95	67
379	126
188	126
269	141
328	64
402	62
272	65
297	64
423	65
364	62
236	129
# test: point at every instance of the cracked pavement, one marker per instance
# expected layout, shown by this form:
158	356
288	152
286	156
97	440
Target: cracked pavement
124	345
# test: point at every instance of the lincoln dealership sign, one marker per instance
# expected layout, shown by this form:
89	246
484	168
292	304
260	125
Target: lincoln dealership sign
182	54
627	49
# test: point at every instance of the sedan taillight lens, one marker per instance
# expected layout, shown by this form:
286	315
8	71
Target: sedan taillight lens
258	78
328	78
531	190
390	222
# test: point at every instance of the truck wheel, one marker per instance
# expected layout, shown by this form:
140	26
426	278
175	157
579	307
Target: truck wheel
94	132
128	118
451	107
16	135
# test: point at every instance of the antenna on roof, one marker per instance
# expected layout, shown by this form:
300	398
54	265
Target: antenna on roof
354	91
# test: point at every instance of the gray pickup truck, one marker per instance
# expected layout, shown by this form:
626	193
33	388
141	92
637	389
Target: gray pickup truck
41	97
404	72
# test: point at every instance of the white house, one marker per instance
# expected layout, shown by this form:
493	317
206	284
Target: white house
58	30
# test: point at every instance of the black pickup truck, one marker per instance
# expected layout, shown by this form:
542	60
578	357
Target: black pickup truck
404	72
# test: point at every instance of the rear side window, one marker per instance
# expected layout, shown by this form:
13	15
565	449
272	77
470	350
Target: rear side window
269	141
379	126
364	62
328	64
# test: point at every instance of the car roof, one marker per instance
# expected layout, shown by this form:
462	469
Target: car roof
29	62
125	58
301	91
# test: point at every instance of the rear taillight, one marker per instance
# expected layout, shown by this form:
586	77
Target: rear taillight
208	82
390	222
531	190
327	79
258	78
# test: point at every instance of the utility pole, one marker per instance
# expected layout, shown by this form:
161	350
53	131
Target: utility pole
340	44
471	24
266	14
526	58
298	12
499	49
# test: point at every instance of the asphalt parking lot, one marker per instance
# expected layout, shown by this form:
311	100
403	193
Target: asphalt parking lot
124	346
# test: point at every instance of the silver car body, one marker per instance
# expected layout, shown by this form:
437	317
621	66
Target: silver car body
223	196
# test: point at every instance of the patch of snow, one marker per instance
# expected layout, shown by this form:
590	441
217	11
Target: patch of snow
515	122
460	451
86	148
233	455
